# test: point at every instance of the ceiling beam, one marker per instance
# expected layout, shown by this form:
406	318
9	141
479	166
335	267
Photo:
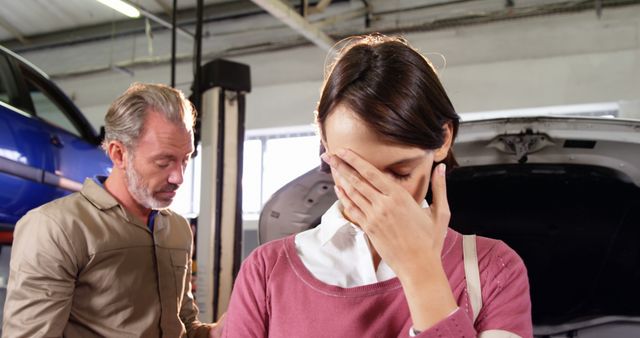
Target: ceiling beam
168	10
294	20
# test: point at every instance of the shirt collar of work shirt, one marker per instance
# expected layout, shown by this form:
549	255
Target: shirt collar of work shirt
94	191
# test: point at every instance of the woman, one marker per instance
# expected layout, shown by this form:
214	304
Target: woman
382	263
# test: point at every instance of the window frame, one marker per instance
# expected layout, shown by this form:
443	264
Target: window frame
13	86
264	135
21	73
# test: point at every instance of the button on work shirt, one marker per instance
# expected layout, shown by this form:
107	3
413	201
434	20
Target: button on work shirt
82	266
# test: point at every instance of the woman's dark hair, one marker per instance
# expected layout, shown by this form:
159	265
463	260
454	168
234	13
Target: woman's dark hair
393	89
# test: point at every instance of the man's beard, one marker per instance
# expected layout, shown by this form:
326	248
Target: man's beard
140	191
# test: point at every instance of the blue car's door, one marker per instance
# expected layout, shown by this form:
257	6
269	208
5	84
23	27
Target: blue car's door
25	155
75	149
22	166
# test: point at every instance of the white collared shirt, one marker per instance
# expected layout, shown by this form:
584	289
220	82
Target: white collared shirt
337	252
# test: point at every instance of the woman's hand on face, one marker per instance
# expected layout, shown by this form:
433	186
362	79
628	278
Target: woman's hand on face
407	237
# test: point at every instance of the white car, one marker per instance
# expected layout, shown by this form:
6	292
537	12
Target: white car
563	191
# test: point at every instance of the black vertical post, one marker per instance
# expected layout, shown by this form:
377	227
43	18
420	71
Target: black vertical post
217	240
197	78
173	44
196	86
367	14
237	244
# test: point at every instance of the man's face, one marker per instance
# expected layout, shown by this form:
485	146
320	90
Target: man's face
156	166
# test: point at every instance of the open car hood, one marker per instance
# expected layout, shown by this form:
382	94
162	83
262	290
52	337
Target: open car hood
604	142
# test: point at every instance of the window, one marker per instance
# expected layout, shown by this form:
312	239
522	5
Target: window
6	78
187	200
287	158
4	93
272	159
252	176
47	109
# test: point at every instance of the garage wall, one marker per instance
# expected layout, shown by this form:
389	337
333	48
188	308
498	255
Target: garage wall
534	62
541	61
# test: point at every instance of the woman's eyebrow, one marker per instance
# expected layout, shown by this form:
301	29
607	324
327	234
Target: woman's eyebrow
406	161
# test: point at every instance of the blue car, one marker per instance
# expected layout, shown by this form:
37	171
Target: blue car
47	147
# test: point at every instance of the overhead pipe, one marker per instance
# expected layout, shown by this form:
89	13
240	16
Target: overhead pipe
319	7
13	30
158	19
294	20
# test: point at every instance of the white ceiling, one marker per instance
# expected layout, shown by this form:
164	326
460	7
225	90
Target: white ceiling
68	38
33	17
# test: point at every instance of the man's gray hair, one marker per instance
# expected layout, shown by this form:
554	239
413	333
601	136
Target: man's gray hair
125	118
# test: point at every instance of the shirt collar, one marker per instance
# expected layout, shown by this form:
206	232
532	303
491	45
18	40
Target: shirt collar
94	191
333	221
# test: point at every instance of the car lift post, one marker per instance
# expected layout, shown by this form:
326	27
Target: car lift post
219	232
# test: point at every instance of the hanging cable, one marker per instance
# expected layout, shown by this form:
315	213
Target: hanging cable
173	43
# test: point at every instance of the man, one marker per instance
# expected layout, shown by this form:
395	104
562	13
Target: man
111	260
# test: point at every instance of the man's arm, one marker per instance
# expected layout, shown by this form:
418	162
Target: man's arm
43	271
189	313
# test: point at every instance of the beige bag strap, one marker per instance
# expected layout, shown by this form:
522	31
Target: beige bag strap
472	273
497	334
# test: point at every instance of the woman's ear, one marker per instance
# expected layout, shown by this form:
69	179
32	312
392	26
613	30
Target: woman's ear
323	146
442	152
324	167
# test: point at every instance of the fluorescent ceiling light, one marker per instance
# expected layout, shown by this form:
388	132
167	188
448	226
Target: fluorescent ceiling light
122	7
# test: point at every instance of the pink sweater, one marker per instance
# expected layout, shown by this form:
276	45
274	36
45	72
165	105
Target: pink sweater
276	296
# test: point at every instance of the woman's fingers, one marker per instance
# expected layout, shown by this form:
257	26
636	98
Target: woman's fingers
366	170
351	209
440	206
353	193
351	180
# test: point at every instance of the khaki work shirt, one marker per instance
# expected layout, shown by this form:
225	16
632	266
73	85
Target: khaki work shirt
82	266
